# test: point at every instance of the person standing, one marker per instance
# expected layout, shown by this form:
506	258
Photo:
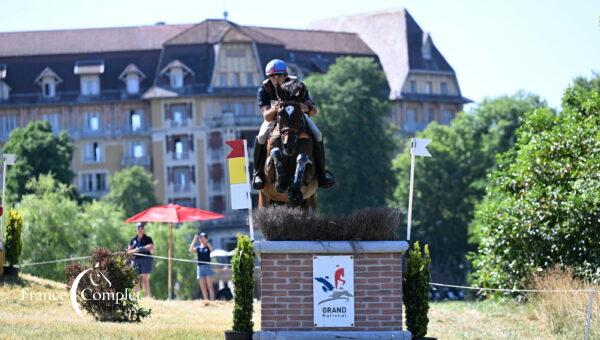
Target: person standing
142	244
204	272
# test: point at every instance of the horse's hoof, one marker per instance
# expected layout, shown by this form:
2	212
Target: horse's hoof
281	187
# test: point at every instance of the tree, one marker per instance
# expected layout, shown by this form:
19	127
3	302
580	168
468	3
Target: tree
132	189
449	185
542	207
56	227
38	152
352	98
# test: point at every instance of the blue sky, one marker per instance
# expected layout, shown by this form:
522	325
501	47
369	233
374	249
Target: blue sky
496	47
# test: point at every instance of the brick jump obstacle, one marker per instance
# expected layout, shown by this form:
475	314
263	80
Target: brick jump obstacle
331	289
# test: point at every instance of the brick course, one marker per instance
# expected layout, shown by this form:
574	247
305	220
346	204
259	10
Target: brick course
287	287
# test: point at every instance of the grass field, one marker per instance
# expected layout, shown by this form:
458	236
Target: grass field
24	315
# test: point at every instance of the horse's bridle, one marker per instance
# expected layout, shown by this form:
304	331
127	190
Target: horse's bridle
303	118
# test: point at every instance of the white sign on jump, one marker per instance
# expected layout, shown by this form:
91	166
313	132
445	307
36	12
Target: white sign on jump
333	291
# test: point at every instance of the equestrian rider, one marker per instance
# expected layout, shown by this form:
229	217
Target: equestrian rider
270	105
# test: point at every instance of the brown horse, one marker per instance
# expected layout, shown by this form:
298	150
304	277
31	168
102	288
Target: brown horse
289	171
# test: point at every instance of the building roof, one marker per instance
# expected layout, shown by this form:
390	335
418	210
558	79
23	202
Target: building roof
94	40
396	38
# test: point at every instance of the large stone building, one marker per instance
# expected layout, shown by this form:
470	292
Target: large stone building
166	97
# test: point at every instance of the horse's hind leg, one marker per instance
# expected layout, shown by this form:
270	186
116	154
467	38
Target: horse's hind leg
294	194
282	182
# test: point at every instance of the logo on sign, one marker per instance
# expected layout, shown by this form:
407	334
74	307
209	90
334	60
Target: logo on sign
333	291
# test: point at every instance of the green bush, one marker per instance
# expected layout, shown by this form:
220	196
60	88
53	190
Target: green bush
243	283
119	278
14	227
415	291
542	205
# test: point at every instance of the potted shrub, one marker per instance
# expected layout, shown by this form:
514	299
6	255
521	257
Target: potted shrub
13	246
415	290
243	287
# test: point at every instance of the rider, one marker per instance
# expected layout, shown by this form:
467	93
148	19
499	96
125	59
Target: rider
276	72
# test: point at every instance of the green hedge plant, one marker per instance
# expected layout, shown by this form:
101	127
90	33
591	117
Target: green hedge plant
415	290
243	283
14	227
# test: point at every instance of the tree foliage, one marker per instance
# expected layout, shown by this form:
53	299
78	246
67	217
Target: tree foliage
449	185
352	98
55	227
38	152
132	189
542	207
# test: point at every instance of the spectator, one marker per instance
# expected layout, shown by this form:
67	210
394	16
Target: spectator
142	244
204	272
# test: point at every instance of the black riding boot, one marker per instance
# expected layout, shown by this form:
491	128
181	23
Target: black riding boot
259	163
326	179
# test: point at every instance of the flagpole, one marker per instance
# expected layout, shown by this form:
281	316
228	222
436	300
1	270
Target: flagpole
410	190
249	196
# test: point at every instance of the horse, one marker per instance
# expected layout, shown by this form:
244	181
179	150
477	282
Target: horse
290	154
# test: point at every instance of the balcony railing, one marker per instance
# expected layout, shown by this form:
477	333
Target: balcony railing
179	156
179	123
131	160
229	119
180	188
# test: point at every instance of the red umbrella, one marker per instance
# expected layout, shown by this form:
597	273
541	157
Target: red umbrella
173	213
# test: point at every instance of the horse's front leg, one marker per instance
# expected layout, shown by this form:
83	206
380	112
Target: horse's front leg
282	182
294	194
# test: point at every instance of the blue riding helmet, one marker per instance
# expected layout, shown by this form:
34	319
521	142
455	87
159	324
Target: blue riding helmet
276	66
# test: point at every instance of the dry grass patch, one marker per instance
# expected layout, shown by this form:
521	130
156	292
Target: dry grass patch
565	312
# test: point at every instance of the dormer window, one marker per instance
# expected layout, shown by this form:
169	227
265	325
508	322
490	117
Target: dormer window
426	46
89	72
132	76
176	71
48	80
4	88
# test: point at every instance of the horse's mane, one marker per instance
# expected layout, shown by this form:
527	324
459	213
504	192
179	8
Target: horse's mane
293	90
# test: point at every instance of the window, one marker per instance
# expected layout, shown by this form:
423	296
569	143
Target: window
90	85
176	77
92	122
235	79
4	91
413	86
446	117
54	120
223	79
133	83
427	87
249	79
93	182
93	153
135	120
100	182
48	87
138	149
7	124
87	183
217	203
444	88
411	115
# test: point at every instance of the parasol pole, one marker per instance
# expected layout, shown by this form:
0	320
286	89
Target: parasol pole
170	256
